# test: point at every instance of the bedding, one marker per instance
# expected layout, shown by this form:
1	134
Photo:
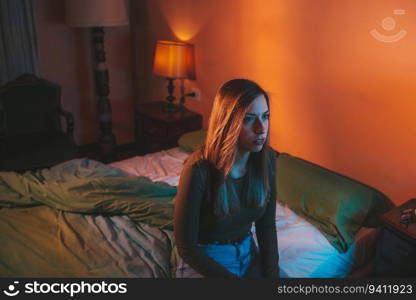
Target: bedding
135	196
338	206
86	219
44	242
305	252
190	141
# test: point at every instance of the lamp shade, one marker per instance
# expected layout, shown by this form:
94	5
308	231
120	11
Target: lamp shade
172	59
96	13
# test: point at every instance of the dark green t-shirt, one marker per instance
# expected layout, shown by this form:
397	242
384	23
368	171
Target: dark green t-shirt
195	221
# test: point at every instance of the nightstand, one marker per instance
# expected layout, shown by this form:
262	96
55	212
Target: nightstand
158	130
396	251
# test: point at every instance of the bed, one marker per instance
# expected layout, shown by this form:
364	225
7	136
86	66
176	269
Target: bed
303	250
83	218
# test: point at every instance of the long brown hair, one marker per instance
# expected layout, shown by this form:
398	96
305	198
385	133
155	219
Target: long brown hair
221	145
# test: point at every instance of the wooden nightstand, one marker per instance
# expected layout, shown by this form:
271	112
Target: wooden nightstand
396	251
158	130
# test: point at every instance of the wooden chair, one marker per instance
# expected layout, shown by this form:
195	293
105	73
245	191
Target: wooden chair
31	134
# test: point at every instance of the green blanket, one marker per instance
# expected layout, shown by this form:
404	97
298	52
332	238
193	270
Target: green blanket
85	186
84	219
338	206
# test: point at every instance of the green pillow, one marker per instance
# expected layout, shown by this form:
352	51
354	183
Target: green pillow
190	141
337	205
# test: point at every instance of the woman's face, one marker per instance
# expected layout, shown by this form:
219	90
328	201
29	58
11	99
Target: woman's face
253	133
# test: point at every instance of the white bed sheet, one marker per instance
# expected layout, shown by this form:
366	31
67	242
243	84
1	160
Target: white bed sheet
303	250
164	166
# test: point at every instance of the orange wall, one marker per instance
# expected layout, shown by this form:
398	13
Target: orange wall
65	57
340	97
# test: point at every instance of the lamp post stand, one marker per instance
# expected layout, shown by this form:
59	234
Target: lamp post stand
107	140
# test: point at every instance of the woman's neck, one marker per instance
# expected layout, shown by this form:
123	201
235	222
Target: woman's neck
239	167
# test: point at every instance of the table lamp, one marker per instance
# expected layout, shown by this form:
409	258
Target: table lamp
173	60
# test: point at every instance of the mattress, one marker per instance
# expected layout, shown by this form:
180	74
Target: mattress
303	251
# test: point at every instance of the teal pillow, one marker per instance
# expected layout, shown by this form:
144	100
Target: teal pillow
335	204
190	141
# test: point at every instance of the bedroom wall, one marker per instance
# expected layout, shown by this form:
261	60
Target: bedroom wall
65	57
340	97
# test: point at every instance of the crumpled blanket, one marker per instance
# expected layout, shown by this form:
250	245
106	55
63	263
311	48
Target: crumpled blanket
86	186
83	218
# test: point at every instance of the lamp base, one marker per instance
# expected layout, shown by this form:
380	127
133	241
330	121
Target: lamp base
107	139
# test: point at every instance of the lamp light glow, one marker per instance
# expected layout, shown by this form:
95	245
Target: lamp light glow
171	59
174	60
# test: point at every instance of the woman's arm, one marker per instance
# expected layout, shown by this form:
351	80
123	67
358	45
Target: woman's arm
266	228
187	210
266	236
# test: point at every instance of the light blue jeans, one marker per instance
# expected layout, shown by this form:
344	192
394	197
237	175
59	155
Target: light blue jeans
236	258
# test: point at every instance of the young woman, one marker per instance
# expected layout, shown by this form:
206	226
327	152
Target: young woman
225	186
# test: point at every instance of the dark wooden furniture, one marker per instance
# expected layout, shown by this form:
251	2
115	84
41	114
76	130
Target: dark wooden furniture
396	253
31	134
157	129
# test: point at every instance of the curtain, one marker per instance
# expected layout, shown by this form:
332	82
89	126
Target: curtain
18	46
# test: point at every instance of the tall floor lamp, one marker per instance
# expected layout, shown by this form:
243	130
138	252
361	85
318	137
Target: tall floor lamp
98	14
